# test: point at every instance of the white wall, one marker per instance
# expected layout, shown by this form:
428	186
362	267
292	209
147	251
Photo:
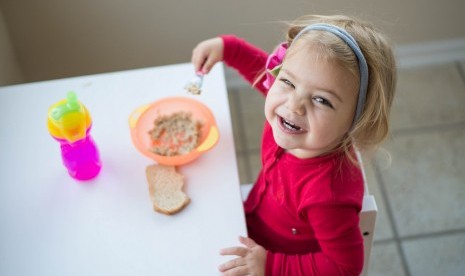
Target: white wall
55	39
9	68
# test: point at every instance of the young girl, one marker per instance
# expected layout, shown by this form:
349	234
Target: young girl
328	89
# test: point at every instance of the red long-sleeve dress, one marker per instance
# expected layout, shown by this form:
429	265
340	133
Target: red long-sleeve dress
304	212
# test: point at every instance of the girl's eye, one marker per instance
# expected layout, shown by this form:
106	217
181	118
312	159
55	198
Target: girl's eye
287	82
323	101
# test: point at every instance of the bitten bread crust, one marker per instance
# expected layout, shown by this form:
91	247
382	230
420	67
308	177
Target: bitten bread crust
165	188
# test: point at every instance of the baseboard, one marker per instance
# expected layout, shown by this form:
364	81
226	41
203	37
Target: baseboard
407	56
430	53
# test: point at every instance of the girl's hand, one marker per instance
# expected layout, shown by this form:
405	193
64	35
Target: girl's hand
250	261
206	54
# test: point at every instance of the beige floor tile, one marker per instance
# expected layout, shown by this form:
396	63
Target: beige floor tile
385	260
234	108
383	228
253	117
443	255
255	165
425	183
428	96
249	174
462	64
243	167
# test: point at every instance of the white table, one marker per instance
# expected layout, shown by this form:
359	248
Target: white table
51	224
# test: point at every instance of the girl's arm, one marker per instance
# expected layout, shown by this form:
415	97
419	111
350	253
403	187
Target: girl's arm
337	231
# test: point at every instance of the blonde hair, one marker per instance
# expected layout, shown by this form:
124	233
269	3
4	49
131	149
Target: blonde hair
372	128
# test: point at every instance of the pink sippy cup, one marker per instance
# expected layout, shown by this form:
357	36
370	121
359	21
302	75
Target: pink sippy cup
69	122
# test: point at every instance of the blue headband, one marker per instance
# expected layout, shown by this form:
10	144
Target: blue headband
363	67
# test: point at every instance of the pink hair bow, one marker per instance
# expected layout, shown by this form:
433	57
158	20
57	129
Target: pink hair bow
273	64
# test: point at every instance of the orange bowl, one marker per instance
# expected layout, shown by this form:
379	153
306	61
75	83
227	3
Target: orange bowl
142	120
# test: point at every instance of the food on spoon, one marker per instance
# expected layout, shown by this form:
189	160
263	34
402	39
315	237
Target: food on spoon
193	89
194	86
165	188
175	134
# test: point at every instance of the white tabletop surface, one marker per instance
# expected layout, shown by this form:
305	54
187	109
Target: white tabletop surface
51	224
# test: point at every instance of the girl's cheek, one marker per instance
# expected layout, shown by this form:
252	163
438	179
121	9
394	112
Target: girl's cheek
269	108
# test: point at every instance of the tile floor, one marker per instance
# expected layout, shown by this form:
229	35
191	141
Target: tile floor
420	229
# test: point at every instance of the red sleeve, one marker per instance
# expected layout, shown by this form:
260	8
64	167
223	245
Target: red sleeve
246	58
340	241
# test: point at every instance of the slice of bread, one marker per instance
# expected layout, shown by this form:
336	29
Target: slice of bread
165	187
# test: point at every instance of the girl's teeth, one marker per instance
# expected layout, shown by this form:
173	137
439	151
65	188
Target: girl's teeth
290	126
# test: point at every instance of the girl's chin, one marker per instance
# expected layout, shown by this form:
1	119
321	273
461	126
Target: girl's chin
289	144
284	140
298	152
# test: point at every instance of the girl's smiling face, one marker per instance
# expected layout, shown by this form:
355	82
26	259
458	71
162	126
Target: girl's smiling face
311	104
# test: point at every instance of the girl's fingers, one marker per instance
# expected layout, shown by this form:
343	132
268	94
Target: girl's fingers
198	60
237	251
207	66
247	241
237	271
206	54
231	264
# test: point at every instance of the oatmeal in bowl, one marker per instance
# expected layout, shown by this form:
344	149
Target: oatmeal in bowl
173	131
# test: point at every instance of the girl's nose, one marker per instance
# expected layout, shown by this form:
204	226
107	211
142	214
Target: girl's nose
296	105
